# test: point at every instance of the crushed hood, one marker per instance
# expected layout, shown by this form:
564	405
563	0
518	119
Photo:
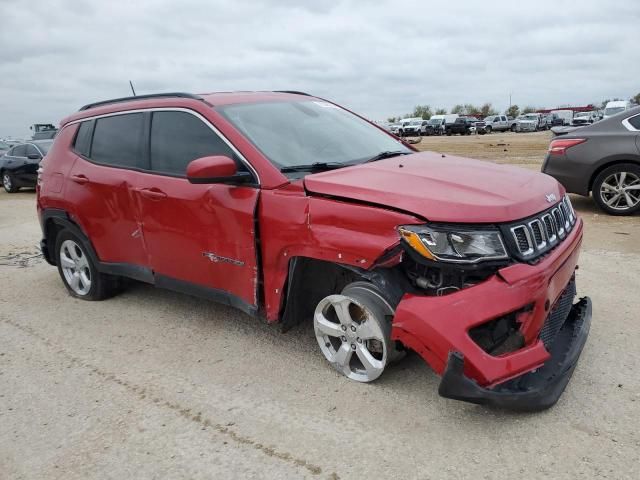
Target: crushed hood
442	188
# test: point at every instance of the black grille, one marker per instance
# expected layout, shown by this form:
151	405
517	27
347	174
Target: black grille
536	228
521	237
558	315
533	237
548	224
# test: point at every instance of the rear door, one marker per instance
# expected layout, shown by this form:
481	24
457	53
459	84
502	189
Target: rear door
110	151
200	238
14	162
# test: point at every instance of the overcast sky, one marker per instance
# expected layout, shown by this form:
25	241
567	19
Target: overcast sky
379	58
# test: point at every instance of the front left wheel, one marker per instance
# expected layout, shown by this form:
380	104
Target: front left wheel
353	330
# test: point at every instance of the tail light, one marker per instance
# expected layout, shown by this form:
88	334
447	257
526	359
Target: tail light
560	146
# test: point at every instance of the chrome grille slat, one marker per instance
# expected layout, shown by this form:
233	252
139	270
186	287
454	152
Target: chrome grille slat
536	236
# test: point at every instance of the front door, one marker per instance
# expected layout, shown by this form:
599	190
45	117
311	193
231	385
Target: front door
199	238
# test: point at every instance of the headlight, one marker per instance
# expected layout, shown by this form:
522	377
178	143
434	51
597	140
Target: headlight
454	245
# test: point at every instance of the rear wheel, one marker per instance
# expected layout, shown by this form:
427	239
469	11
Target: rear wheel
8	183
488	129
616	189
353	330
79	272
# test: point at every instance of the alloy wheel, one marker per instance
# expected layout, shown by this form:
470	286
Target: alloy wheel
6	182
621	191
352	337
75	267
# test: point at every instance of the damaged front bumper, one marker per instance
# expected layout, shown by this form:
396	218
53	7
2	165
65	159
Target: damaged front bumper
536	390
534	371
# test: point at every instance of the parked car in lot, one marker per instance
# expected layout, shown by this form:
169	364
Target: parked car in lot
438	125
395	128
498	123
564	117
412	128
19	165
469	263
526	123
602	158
462	126
615	107
580	119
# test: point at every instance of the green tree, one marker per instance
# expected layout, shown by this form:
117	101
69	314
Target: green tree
392	119
458	109
470	109
636	99
512	111
529	109
422	111
441	111
487	109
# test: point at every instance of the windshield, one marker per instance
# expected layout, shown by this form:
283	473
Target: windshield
416	122
436	121
308	132
613	110
582	114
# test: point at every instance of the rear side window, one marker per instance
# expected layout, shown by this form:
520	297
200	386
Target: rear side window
31	150
118	140
635	122
20	151
177	138
83	138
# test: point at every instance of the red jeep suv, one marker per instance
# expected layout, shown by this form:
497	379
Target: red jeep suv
292	208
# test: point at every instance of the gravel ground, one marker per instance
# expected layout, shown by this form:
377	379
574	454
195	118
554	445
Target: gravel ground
153	384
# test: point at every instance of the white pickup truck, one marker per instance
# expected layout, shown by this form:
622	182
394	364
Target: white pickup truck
499	123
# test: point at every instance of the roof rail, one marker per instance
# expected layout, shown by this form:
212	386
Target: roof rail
295	92
141	97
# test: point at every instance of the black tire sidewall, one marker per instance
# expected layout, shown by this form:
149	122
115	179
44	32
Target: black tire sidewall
595	191
13	188
96	278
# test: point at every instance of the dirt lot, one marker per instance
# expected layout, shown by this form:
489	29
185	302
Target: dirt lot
153	384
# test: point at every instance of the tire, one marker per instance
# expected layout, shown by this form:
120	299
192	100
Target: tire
488	129
514	128
76	265
8	183
611	190
360	310
448	133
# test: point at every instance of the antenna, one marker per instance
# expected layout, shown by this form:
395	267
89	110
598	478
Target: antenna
132	89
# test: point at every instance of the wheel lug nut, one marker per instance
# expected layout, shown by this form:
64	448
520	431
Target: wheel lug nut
359	340
353	346
353	328
343	338
344	328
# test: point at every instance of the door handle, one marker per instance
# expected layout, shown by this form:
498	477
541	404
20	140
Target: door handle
81	179
151	194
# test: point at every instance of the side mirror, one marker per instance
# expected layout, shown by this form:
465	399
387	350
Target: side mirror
34	156
216	169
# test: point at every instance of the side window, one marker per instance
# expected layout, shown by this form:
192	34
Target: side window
177	138
83	138
20	151
635	122
31	150
118	140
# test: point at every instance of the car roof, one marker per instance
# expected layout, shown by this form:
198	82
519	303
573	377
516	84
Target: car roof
182	99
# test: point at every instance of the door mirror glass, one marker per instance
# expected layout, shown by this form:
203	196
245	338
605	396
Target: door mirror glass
216	169
34	156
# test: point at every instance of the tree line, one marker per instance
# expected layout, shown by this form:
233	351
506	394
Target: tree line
426	112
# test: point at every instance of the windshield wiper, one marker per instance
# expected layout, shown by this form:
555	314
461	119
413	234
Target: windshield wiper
313	167
385	154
